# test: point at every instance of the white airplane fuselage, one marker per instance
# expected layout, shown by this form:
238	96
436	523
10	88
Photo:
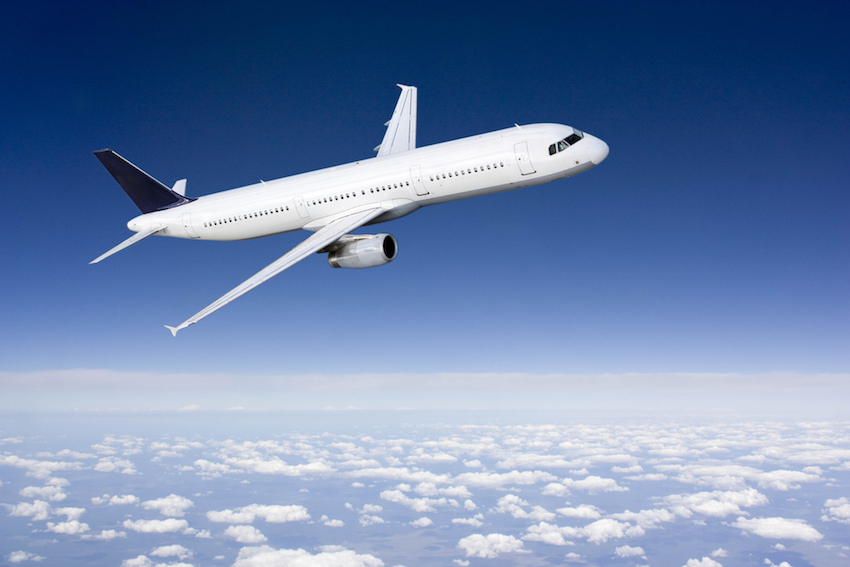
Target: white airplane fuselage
401	183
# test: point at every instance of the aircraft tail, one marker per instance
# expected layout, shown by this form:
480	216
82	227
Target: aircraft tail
146	192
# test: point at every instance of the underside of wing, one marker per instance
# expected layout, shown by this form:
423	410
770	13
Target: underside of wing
325	236
401	129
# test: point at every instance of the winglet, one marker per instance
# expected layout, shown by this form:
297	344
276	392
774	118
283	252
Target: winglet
175	329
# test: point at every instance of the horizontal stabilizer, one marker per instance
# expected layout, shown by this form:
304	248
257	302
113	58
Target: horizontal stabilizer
146	192
180	187
138	237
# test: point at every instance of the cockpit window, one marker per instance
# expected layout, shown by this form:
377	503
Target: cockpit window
562	145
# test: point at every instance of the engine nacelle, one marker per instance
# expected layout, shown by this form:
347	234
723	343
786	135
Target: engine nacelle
369	252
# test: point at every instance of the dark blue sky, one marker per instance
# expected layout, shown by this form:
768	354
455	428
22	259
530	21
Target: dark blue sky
714	238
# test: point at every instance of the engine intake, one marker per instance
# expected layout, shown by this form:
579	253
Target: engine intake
371	251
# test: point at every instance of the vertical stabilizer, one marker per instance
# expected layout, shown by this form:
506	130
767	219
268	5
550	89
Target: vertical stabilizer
146	192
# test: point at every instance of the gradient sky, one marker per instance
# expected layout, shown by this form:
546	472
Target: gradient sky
714	238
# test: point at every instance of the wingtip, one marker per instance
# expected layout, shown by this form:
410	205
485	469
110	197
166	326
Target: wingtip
173	330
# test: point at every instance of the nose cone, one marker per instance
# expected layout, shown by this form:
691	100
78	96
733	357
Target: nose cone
597	151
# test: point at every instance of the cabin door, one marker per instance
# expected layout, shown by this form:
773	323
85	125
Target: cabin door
522	159
418	184
187	224
299	206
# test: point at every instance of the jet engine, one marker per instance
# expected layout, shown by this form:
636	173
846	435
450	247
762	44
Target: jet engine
365	252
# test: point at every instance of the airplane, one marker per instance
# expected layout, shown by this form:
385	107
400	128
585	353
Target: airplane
333	202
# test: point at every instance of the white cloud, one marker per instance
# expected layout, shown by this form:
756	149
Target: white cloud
474	521
498	480
718	504
175	550
52	493
114	464
123	499
265	556
514	505
156	526
245	534
38	510
779	528
416	504
422	522
704	562
334	523
719	552
592	484
735	477
632	469
140	561
105	535
276	513
770	563
431	489
370	520
172	505
420	456
72	527
582	511
490	546
39	469
596	532
21	556
628	551
71	513
371	509
602	530
231	517
648	476
837	510
646	519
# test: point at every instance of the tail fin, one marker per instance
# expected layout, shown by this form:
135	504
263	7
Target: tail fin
146	192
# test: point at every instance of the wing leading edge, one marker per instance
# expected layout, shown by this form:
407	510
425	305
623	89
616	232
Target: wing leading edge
325	236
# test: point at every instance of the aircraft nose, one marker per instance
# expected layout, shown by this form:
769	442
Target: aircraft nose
597	151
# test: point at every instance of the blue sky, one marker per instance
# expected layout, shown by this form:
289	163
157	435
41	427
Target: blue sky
714	238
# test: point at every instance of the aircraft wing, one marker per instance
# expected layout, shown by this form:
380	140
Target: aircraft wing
138	237
328	234
401	128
